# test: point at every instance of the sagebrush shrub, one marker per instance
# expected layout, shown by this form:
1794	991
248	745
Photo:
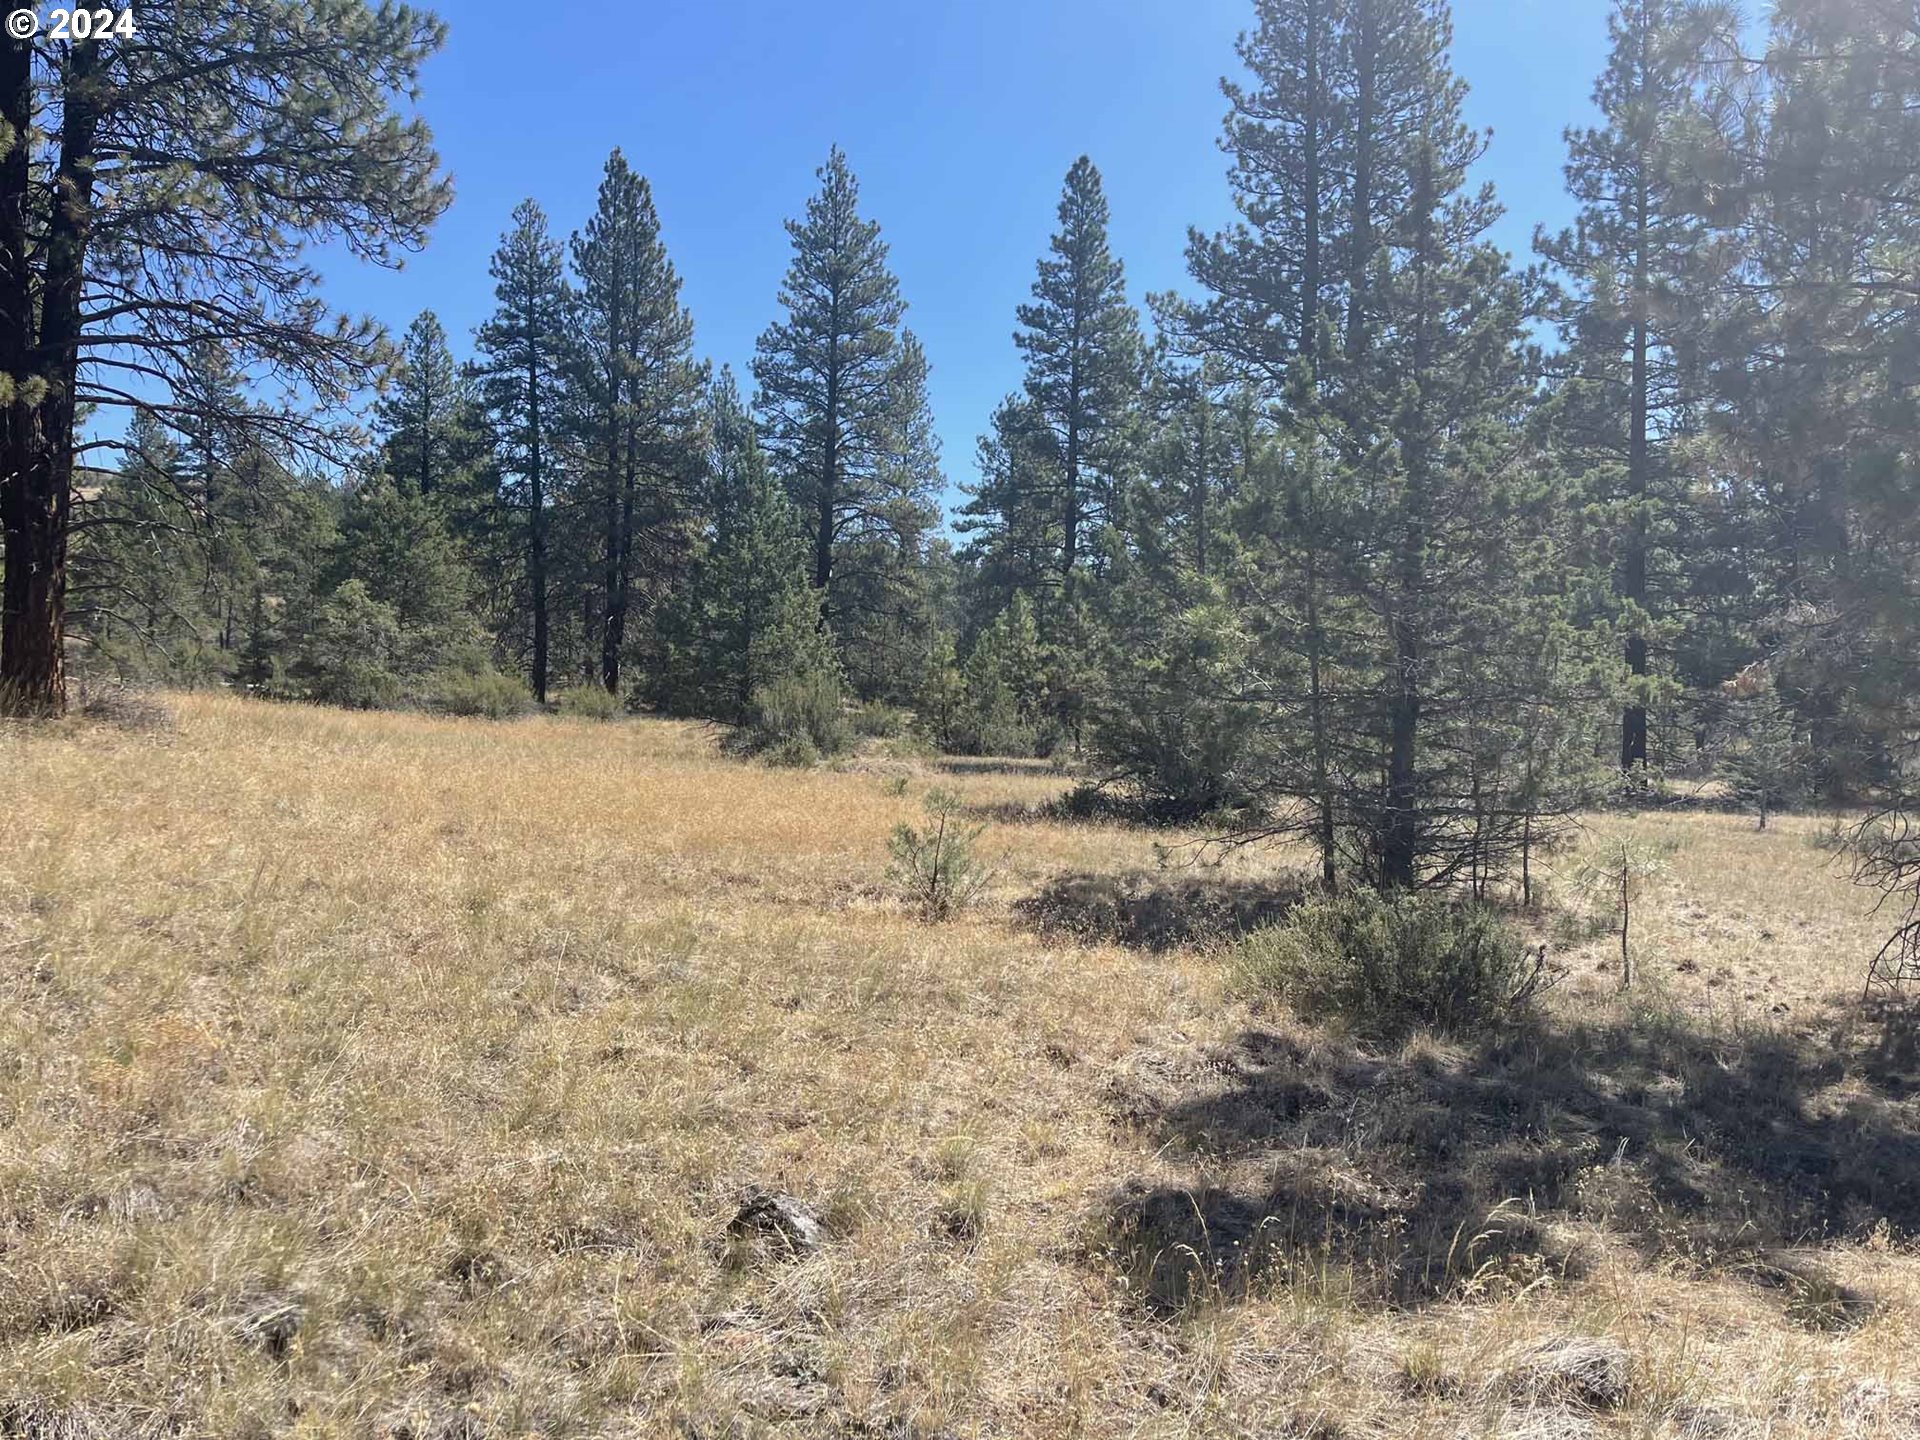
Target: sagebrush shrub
936	866
1386	965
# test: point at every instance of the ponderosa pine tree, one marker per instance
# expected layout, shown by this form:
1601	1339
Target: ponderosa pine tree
395	544
1444	320
1638	261
425	420
523	355
1012	514
138	588
128	235
213	420
1320	139
1391	544
1814	364
1196	457
842	405
432	433
638	404
1272	280
1081	340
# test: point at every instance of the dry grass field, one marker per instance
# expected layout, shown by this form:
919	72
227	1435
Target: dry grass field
375	1075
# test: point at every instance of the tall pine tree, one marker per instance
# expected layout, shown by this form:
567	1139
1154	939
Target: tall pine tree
638	404
1081	340
523	349
843	413
1638	261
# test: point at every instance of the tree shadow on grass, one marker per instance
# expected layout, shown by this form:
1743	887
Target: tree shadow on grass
1442	1173
994	765
1148	910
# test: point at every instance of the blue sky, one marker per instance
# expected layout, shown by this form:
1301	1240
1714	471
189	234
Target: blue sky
959	116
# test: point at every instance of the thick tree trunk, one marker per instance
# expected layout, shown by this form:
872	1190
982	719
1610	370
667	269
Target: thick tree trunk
20	447
36	500
33	680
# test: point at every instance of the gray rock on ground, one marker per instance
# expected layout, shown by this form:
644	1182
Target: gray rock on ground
790	1224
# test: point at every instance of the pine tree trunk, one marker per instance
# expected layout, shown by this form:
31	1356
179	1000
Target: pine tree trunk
536	529
1070	521
33	678
829	466
620	576
610	579
1400	832
28	676
1399	849
37	504
1316	695
1203	460
1633	566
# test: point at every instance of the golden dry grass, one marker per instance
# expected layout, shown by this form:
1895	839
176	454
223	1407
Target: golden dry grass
378	1075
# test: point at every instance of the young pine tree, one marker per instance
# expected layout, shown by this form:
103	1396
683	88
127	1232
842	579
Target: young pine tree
395	543
756	617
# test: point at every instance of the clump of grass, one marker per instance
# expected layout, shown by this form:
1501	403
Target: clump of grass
1386	965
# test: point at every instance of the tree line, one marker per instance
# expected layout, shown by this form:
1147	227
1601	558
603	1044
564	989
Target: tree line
1376	536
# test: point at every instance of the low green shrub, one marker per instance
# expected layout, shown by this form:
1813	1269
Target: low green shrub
878	720
588	702
797	720
1386	965
793	752
484	694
